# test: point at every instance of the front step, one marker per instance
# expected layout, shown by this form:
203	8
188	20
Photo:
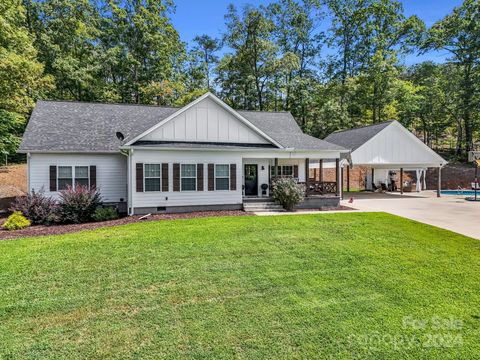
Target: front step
262	206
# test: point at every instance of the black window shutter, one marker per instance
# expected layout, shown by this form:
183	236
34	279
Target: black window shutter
165	177
53	178
233	176
199	177
295	171
176	177
93	177
139	176
211	177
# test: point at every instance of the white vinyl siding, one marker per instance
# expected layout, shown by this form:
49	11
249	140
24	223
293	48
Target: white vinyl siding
222	177
187	198
111	172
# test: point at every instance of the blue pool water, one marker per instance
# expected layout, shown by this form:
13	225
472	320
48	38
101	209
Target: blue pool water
460	192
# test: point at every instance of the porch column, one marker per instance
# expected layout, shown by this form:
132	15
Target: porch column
341	181
307	175
348	178
401	180
373	178
439	182
320	166
337	176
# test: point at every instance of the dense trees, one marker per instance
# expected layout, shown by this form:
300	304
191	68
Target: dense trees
334	63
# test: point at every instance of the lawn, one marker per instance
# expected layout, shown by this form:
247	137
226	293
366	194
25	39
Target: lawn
357	285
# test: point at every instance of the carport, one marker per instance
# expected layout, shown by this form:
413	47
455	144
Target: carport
386	148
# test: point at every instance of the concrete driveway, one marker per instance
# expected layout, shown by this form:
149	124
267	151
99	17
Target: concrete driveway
449	212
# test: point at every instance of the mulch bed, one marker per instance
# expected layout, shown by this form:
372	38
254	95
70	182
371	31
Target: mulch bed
41	230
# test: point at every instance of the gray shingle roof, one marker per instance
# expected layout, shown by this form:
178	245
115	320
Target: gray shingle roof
354	138
65	126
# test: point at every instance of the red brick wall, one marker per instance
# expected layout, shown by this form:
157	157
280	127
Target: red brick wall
358	175
453	176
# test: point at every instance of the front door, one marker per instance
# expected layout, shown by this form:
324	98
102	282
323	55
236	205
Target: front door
251	184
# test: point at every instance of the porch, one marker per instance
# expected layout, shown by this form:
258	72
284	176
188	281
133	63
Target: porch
259	174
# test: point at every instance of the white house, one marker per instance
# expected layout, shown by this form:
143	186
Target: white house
149	159
386	148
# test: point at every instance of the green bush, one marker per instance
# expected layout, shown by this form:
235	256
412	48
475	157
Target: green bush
16	221
287	192
105	214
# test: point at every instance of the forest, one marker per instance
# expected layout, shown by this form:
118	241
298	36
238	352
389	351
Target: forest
270	57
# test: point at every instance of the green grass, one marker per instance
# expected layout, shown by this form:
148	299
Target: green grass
303	286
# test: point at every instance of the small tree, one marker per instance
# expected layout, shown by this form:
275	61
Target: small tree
287	192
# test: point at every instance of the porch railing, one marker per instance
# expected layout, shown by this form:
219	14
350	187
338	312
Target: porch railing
317	187
321	187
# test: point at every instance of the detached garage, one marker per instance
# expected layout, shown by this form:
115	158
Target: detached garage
388	149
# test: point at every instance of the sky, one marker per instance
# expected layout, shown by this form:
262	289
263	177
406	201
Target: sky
197	17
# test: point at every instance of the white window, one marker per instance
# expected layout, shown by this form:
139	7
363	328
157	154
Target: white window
284	171
287	170
222	177
152	177
81	176
188	176
72	176
65	177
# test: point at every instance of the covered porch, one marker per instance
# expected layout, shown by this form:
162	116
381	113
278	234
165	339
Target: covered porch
259	174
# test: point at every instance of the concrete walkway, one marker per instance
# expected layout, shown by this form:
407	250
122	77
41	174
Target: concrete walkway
449	212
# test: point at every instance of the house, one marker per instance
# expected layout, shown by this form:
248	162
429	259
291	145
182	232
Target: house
148	159
387	149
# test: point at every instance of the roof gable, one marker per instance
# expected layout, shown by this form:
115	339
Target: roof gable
354	138
395	145
205	121
199	113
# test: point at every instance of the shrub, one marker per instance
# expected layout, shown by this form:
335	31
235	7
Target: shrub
36	207
105	213
78	205
287	192
16	221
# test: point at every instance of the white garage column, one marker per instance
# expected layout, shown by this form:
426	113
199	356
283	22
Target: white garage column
439	183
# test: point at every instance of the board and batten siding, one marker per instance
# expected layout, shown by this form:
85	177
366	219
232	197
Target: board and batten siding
206	121
187	198
111	171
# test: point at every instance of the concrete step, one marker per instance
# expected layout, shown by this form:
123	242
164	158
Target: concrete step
262	206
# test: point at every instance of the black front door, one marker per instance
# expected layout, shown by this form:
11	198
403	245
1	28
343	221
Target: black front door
251	184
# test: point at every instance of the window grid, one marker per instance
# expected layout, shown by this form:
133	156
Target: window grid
188	177
222	177
152	177
72	176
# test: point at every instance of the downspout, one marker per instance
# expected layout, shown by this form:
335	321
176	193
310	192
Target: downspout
128	154
28	174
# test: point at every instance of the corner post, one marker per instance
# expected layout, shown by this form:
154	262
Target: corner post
348	178
401	180
320	166
337	176
307	175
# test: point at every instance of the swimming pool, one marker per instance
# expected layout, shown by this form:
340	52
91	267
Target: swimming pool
460	192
